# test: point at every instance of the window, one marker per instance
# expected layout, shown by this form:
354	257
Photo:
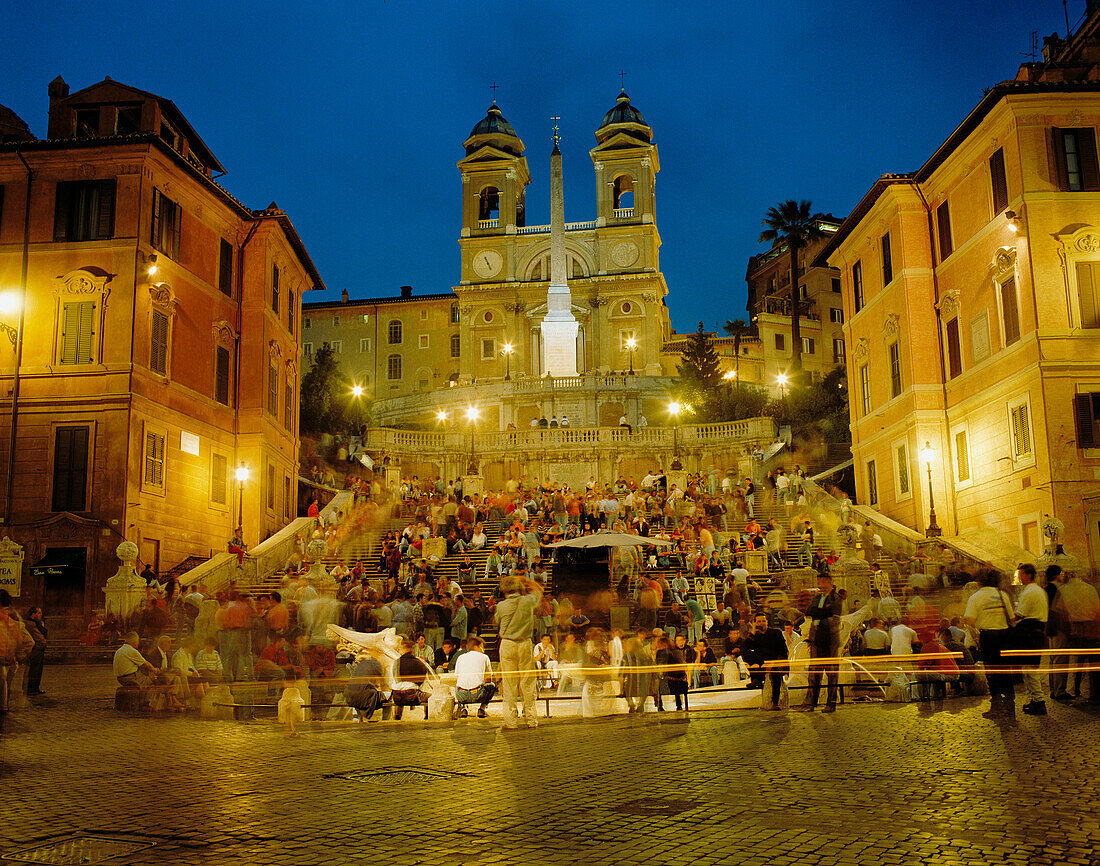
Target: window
1088	293
423	380
780	343
943	223
168	135
488	349
84	210
86	123
836	285
836	316
872	483
423	341
153	476
219	479
70	468
288	498
857	286
1010	316
364	345
158	350
393	367
456	346
865	389
364	319
307	323
290	304
167	217
1019	416
394	332
998	181
288	405
838	351
901	455
221	375
807	346
128	120
270	487
454	314
1075	159
77	320
423	315
275	289
273	390
887	261
307	349
225	268
336	321
962	456
895	370
954	352
1086	415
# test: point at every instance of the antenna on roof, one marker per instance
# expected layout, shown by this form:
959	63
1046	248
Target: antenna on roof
1034	52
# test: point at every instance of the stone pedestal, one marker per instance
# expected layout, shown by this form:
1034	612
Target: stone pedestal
678	477
126	590
392	477
854	575
472	484
559	346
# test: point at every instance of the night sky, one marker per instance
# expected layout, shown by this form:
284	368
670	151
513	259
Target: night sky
351	116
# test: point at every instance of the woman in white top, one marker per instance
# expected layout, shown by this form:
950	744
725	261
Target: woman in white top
987	610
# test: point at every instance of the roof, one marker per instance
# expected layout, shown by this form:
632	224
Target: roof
175	116
245	212
393	299
954	140
13	124
623	112
493	124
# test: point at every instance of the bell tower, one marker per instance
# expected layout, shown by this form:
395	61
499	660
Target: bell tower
494	179
626	163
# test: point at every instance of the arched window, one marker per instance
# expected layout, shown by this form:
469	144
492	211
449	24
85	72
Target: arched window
489	204
395	334
454	314
623	191
393	367
456	345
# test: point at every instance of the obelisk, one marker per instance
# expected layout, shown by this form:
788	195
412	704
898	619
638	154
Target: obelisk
559	328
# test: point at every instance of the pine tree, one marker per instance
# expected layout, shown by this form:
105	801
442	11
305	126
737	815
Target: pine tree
699	367
325	396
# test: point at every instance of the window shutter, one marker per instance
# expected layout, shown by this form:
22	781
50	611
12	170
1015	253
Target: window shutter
1082	415
1009	312
154	459
903	471
1087	295
962	456
158	351
954	352
218	487
1090	169
1021	432
225	268
154	238
288	409
943	221
999	181
887	261
86	334
62	207
62	467
1058	148
177	224
105	213
221	382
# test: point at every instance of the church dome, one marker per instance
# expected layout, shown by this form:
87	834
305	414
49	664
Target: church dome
493	127
624	114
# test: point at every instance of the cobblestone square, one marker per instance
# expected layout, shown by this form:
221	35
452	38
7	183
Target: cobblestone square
873	783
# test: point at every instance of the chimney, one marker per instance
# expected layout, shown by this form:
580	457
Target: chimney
58	89
406	291
1052	47
344	296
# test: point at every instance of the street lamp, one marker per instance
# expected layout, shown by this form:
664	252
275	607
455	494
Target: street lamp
781	380
730	375
631	345
441	416
242	477
507	349
933	530
357	393
674	411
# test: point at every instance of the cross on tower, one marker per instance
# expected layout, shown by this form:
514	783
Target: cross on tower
622	79
556	137
493	87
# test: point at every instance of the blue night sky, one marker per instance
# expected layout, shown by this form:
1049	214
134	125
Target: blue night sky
351	116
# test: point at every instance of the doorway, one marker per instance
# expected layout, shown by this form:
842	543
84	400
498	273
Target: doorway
150	554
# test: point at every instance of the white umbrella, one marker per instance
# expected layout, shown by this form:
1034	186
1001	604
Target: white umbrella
610	539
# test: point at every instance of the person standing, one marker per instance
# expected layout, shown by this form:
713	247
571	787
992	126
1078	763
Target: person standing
37	657
824	643
988	611
1078	608
1031	627
515	618
766	651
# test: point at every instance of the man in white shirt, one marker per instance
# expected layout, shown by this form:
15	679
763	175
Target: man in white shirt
875	639
474	678
1032	609
648	481
782	488
1078	608
546	657
902	639
128	661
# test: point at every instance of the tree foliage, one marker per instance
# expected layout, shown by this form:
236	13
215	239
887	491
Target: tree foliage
326	404
821	408
699	366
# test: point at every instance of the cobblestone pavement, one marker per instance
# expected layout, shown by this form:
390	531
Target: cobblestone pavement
873	783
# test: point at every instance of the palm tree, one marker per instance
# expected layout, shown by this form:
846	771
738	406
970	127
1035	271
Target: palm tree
793	223
736	329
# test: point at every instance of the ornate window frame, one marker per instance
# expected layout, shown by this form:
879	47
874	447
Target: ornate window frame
162	300
1004	268
1082	245
81	284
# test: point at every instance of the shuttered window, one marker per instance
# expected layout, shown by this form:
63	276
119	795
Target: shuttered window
219	479
1088	293
225	268
1086	416
887	261
903	470
84	210
154	459
1021	431
158	349
857	286
70	468
290	301
865	389
962	456
288	497
872	483
998	181
895	370
943	223
270	487
456	345
1010	314
167	220
1075	159
273	390
77	334
275	289
288	407
954	350
221	375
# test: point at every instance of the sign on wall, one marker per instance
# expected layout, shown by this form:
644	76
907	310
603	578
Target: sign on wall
11	567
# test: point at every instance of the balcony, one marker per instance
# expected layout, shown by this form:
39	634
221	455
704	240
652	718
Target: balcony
488	224
781	306
545	229
624	213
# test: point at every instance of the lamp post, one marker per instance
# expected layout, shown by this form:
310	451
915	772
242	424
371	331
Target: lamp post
781	380
674	411
357	393
933	530
242	477
507	349
471	416
631	345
